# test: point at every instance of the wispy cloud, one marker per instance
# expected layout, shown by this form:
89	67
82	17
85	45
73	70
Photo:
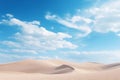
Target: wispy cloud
106	17
101	52
98	55
14	57
102	19
32	38
73	23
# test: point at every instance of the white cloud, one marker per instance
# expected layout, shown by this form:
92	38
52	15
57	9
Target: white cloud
10	43
107	17
77	18
32	38
5	58
109	53
71	52
102	19
9	15
72	23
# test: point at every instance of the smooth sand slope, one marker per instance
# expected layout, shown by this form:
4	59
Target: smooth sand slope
58	70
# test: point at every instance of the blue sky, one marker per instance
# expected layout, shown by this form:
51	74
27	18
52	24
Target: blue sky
80	30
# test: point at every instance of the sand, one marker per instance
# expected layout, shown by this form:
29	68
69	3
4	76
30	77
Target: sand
58	70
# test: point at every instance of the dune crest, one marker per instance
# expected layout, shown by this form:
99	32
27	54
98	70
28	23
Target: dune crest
112	66
63	69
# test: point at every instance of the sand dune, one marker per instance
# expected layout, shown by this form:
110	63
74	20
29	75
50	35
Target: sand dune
63	69
34	66
112	66
58	70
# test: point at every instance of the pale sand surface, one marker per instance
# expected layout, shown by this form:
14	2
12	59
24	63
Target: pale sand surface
58	70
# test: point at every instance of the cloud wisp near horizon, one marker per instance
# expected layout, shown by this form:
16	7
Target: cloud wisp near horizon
88	34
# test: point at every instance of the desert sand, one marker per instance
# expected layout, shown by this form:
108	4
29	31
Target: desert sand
58	70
